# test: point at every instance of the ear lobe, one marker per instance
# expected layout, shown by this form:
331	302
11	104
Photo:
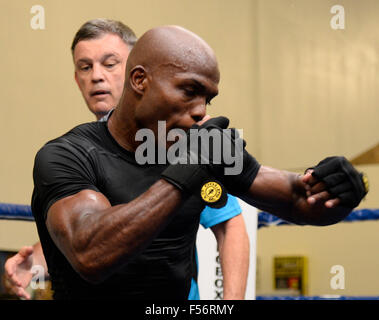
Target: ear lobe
138	79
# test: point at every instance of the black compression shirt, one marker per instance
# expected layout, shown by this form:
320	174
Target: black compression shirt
87	157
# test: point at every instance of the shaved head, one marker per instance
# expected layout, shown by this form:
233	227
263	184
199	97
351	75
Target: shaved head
171	75
172	46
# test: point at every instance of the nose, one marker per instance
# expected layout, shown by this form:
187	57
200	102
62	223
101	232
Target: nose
97	74
199	111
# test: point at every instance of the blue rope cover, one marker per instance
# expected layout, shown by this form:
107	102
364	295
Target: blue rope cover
266	219
23	212
12	211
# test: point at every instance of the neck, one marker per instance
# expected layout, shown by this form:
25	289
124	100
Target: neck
122	129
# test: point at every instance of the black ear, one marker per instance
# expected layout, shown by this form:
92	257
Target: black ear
138	79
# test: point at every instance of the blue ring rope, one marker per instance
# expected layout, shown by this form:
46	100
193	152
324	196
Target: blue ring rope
11	211
266	219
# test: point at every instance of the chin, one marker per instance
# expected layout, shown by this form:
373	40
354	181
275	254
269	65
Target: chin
101	108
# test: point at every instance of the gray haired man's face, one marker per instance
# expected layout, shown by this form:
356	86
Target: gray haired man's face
100	71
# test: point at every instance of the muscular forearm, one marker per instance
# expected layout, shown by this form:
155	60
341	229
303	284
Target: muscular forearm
283	194
233	245
98	243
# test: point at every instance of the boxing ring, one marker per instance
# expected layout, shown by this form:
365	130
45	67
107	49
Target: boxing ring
19	212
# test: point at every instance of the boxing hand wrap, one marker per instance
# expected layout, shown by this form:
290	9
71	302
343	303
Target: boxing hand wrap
230	163
197	178
238	174
342	180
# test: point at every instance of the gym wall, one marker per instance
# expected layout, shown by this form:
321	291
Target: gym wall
298	88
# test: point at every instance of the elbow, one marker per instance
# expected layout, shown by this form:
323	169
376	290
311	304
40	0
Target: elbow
89	272
94	268
90	269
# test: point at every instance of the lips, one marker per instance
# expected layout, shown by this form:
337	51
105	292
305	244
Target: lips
99	93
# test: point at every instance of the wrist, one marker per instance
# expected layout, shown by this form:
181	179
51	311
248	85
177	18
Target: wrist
196	179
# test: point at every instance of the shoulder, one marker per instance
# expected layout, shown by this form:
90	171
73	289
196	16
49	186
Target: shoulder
71	149
81	137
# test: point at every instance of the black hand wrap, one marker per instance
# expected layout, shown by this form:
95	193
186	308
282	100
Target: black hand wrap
236	181
196	178
240	183
342	180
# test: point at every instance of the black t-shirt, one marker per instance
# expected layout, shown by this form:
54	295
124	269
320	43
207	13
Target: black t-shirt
87	157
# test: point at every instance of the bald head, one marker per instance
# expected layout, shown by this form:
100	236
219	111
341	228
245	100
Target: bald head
173	47
171	75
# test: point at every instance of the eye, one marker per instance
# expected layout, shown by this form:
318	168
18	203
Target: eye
189	91
110	64
84	67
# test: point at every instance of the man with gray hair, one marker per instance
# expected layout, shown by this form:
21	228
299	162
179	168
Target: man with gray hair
100	49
